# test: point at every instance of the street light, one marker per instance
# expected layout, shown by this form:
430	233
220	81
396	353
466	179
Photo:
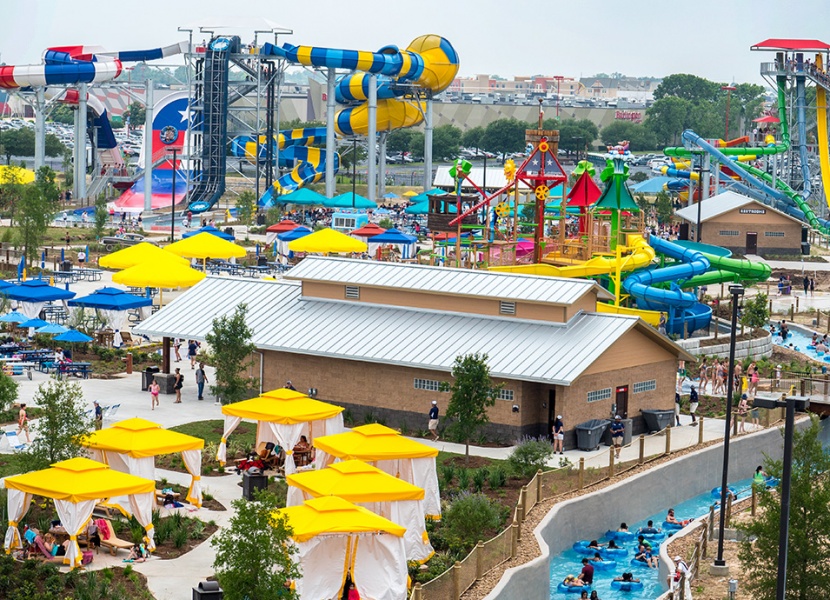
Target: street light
791	405
737	291
558	79
728	89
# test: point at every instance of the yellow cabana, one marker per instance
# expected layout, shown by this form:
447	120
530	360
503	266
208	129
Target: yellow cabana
282	417
335	537
361	483
389	451
143	252
77	485
204	246
130	446
327	241
164	275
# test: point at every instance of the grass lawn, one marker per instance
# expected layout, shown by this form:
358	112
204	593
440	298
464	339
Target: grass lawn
211	431
11	464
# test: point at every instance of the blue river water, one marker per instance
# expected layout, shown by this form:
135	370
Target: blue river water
801	340
570	563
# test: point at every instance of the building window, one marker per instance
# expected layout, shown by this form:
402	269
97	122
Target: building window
429	385
729	232
598	395
506	395
352	292
645	386
507	308
773	234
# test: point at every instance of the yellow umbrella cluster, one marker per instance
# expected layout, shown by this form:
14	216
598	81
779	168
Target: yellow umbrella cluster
204	246
141	253
327	241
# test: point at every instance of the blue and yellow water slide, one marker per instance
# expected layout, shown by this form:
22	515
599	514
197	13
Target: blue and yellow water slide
427	66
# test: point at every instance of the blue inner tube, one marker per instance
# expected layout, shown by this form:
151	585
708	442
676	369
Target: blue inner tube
621	536
607	553
672	526
581	547
603	565
653	536
716	492
627	586
638	563
572	589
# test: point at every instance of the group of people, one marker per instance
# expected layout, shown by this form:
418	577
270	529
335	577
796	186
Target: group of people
178	383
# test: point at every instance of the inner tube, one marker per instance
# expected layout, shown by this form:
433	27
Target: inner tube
572	589
627	586
653	536
612	553
716	492
603	565
621	536
638	563
581	547
672	526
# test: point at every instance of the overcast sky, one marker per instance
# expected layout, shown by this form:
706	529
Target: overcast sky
710	38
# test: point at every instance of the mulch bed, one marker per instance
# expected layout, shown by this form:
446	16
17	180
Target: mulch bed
168	551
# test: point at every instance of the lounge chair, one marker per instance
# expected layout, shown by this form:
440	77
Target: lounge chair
127	339
110	414
15	443
113	542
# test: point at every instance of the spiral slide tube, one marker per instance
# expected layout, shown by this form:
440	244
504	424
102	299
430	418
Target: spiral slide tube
821	132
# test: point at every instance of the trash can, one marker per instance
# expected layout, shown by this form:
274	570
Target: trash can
260	219
589	433
229	231
250	483
262	260
66	265
629	424
657	420
208	590
147	377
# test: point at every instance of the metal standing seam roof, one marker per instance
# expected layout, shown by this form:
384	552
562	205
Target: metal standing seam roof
444	280
722	204
283	320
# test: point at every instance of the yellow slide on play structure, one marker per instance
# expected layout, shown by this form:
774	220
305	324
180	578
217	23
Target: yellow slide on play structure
821	133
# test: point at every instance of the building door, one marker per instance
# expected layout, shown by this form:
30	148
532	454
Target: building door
551	411
622	401
751	243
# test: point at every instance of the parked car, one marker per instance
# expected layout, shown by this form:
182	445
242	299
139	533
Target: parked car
125	239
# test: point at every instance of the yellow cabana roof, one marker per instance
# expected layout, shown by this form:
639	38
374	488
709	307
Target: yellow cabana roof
166	275
206	245
12	174
135	255
288	412
333	515
79	479
355	481
141	438
327	241
284	394
372	442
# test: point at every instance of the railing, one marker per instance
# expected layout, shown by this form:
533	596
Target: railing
549	485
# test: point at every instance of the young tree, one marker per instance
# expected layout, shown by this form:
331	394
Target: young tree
472	137
35	210
504	136
100	217
254	555
8	391
664	207
446	141
246	207
61	427
231	352
398	140
136	113
808	553
472	393
755	312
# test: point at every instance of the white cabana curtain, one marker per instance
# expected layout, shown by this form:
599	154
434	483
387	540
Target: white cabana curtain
231	423
113	319
30	309
124	463
18	504
74	516
193	463
379	570
296	496
141	506
322	561
409	514
424	475
287	436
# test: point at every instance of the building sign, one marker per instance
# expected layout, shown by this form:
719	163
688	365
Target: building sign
753	211
635	116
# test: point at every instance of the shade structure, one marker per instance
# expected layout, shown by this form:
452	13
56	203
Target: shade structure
272	231
424	197
388	450
334	537
767	119
34	324
52	329
410	193
350	200
162	276
368	486
204	245
282	416
212	231
303	196
584	192
36	290
390	195
406	244
134	255
294	234
13	317
73	336
327	241
367	231
76	485
421	208
111	298
131	445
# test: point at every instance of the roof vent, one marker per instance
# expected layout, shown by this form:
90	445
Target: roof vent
352	292
507	308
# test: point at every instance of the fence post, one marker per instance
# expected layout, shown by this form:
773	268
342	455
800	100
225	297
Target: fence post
456	580
754	500
642	449
611	463
766	414
728	507
523	500
683	587
792	310
538	486
479	560
712	522
796	304
700	430
514	538
735	424
520	513
416	592
668	440
581	478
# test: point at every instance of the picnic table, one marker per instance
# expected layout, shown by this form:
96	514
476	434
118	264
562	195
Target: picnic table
89	274
79	369
63	276
257	270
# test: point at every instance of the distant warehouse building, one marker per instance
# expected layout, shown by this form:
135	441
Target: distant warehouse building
744	225
379	338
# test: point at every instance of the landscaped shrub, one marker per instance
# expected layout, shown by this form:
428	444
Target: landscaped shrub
447	475
530	455
470	518
463	479
479	479
497	478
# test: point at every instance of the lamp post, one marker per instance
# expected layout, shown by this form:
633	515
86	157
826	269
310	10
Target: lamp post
728	89
791	405
558	79
173	199
737	292
354	168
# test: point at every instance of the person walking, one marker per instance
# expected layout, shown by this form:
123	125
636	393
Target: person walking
617	433
677	408
192	349
177	345
812	286
23	422
154	389
743	409
177	385
558	435
693	402
99	415
201	380
433	421
806	284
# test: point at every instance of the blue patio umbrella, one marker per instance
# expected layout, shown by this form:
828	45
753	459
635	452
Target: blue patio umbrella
392	236
303	196
421	208
36	290
73	336
294	234
390	195
211	230
52	329
424	196
13	317
111	298
35	323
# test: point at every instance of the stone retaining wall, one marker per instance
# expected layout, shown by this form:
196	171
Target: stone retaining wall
755	348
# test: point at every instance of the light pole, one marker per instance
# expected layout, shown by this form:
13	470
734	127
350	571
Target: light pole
737	292
728	89
354	168
173	199
791	405
558	79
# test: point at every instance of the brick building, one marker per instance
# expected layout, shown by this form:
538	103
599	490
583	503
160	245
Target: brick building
744	225
378	338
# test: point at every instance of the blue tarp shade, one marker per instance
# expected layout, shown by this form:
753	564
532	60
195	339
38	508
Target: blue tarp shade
13	317
52	329
301	196
36	323
211	230
424	196
73	336
36	290
346	201
421	208
651	186
110	298
294	234
392	236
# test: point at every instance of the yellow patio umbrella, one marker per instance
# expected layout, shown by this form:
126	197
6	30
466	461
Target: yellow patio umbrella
410	193
135	255
76	486
204	246
327	241
163	275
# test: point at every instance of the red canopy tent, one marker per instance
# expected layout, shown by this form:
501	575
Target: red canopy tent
583	194
367	231
767	119
791	45
272	231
